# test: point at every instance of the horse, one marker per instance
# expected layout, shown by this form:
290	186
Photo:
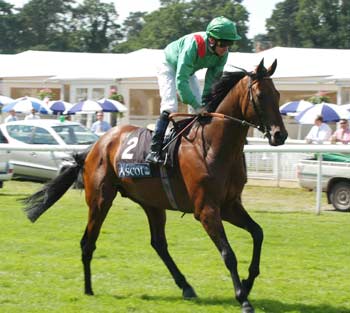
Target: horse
209	177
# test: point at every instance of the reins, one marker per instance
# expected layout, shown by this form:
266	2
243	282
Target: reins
262	127
204	114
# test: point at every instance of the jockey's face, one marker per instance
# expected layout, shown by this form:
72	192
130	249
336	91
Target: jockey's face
221	51
220	47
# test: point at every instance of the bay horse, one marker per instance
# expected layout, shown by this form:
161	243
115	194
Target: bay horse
209	180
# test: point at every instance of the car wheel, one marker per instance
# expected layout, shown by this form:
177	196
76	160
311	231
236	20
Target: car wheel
340	196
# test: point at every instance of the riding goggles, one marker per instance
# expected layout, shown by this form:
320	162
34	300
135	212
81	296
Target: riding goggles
222	43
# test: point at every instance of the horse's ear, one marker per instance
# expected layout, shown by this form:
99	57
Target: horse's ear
260	67
272	68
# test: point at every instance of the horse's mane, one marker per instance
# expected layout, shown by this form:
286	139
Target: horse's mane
220	89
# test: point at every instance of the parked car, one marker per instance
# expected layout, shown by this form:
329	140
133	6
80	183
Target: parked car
335	180
6	168
43	165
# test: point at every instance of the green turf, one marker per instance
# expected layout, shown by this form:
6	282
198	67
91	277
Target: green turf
305	260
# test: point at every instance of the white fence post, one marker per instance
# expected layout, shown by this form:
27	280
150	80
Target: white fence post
319	184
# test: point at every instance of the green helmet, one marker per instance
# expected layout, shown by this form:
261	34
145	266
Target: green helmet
222	28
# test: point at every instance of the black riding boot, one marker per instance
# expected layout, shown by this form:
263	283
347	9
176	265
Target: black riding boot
154	155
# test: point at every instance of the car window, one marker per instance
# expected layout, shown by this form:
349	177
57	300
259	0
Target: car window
75	134
43	137
22	133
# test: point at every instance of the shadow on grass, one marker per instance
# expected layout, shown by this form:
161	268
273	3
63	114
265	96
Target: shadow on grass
273	306
265	305
16	195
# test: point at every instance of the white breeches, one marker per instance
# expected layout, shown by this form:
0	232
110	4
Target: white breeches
167	88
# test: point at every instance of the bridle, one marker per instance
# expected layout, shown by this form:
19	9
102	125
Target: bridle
262	125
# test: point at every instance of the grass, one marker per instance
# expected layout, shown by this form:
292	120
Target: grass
305	259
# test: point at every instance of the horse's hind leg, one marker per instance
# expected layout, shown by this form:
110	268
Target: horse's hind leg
237	215
99	202
157	220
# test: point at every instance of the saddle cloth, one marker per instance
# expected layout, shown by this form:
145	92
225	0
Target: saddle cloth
131	159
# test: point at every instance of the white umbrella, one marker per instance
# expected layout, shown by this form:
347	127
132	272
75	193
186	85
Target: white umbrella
5	100
110	105
346	106
26	104
330	113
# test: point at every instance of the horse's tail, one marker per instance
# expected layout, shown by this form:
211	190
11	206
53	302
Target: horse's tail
39	202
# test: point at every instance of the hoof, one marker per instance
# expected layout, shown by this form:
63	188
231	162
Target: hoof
189	293
247	307
89	292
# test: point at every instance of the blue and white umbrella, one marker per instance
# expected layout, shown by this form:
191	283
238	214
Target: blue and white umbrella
295	106
110	105
330	113
86	106
26	105
59	106
5	100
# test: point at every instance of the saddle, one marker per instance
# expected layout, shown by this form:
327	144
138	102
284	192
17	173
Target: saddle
131	159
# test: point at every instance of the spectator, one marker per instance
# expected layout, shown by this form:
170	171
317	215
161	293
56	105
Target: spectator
11	117
33	115
100	126
319	133
342	134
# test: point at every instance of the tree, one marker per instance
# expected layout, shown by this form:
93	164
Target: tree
95	26
310	24
133	24
39	22
9	26
317	23
281	26
177	18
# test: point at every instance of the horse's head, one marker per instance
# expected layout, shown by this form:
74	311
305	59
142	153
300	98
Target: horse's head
261	105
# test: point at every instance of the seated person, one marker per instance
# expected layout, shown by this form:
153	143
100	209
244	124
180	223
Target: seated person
319	133
342	134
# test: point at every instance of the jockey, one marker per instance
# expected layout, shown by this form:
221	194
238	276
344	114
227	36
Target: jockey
176	73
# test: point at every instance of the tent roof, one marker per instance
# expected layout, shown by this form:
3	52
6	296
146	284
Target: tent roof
292	62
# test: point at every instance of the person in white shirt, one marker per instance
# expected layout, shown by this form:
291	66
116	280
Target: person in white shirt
32	116
319	133
100	126
11	117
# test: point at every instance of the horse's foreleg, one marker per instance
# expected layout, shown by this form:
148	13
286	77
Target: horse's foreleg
212	223
157	220
238	216
99	204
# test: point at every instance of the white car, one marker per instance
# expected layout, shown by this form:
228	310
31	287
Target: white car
6	168
43	165
335	180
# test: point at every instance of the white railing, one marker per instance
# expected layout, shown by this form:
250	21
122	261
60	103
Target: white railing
276	165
